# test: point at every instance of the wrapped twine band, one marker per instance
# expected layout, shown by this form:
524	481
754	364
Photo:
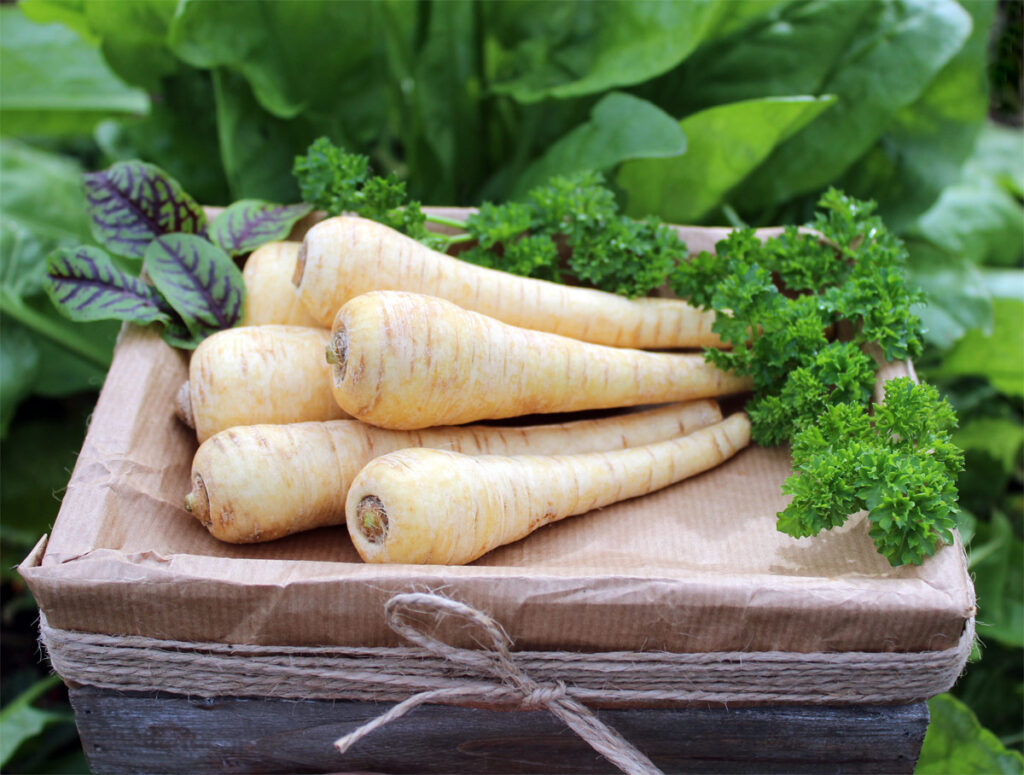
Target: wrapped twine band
562	682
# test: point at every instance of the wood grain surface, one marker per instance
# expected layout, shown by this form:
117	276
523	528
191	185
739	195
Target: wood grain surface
164	733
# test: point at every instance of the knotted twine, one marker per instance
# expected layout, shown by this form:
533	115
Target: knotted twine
493	659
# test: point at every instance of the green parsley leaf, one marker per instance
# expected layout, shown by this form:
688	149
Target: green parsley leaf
899	465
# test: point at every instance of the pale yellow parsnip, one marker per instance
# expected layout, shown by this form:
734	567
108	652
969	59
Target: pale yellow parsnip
261	482
258	374
404	360
443	508
270	297
346	256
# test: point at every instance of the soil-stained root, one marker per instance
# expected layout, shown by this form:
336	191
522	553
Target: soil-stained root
439	507
270	297
403	360
344	257
261	482
258	374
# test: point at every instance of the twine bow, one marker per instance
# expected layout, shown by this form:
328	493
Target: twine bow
412	614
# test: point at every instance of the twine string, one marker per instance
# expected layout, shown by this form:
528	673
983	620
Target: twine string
412	615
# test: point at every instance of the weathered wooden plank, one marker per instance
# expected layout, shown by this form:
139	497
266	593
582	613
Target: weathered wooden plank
145	733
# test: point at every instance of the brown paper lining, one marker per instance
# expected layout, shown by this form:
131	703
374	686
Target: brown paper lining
697	567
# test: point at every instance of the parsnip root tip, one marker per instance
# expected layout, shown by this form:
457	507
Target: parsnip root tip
300	266
372	519
337	354
183	408
197	502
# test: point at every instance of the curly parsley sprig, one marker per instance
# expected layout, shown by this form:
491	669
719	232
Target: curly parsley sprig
897	464
799	311
574	216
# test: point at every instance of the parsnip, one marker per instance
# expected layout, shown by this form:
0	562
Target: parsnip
270	297
261	482
258	374
345	256
439	507
402	360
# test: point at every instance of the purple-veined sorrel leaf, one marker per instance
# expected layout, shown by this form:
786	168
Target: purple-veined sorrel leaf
84	284
249	223
132	203
176	334
198	280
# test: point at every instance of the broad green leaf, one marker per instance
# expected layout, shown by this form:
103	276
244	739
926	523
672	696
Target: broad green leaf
249	223
294	55
725	144
132	203
740	14
976	221
63	371
566	49
887	67
998	437
19	363
54	83
442	131
34	479
84	284
1000	154
957	743
180	135
621	127
132	33
257	148
42	207
198	280
996	558
20	722
70	13
998	356
1004	283
790	50
42	195
959	297
922	151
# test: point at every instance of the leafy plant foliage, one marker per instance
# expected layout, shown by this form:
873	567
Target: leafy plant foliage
899	465
956	742
137	210
576	212
132	203
198	280
462	101
843	275
245	225
85	284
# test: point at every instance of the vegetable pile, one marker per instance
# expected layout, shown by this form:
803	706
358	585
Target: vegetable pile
420	339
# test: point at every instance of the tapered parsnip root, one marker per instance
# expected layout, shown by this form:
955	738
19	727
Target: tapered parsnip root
270	297
402	360
260	374
344	257
439	507
261	482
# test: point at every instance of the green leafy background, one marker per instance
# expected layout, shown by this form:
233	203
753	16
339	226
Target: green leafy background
702	111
